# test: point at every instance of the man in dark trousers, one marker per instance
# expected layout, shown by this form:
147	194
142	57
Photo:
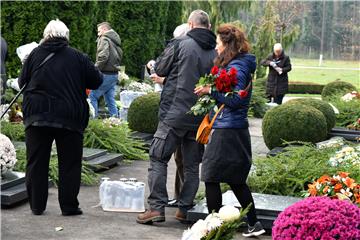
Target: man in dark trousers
279	66
182	63
55	108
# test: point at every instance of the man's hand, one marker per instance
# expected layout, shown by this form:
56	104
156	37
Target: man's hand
202	90
156	78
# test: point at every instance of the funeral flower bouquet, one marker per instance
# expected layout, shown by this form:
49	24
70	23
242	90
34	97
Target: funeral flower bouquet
217	226
350	96
346	156
339	186
355	125
220	80
7	154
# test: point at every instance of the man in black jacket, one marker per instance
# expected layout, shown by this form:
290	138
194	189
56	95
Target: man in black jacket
278	82
55	108
182	63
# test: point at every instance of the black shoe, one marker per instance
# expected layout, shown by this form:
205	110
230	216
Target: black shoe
37	212
254	231
72	212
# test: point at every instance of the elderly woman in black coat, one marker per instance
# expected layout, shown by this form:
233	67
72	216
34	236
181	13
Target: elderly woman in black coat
55	108
278	82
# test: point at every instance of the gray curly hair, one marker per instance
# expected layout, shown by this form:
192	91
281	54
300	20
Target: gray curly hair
56	28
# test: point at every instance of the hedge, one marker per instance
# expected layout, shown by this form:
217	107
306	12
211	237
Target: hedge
142	26
305	87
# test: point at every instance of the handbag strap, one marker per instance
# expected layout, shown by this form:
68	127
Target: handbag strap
216	114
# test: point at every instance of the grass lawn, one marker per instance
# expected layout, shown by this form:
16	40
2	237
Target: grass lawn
324	76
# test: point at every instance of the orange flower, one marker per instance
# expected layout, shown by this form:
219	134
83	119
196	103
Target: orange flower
349	182
343	174
323	179
357	197
325	190
338	187
312	189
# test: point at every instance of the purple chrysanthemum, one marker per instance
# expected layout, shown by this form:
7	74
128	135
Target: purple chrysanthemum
318	218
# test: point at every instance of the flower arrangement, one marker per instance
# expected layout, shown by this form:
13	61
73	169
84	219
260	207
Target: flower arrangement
220	80
140	87
3	107
7	154
318	218
339	186
217	226
350	96
346	155
112	121
355	125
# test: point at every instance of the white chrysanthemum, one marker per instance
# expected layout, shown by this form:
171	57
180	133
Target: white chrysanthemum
213	221
199	229
229	213
7	154
140	87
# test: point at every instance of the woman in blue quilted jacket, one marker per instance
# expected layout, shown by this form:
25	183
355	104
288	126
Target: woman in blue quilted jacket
227	157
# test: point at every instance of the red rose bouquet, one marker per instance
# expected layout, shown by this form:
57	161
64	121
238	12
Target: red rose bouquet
224	82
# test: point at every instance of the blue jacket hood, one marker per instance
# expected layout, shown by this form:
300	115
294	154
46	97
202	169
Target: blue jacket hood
244	62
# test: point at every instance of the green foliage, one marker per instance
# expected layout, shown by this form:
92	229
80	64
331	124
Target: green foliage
88	176
336	88
349	112
289	172
114	139
14	131
258	101
142	27
22	23
143	113
293	122
305	87
320	105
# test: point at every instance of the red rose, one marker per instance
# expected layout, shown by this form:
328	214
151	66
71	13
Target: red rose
243	93
215	70
233	72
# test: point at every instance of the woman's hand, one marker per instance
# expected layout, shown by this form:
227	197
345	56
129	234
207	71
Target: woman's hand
156	79
202	90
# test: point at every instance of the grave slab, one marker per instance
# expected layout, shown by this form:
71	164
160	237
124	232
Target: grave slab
11	179
92	153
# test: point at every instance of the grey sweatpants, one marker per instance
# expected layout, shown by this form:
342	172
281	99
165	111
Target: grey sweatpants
166	140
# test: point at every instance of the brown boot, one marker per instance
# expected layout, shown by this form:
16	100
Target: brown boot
150	216
179	215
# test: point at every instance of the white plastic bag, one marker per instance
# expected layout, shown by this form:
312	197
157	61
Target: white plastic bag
119	196
24	50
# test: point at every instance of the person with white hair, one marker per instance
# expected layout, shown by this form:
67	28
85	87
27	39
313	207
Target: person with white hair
277	82
56	77
182	63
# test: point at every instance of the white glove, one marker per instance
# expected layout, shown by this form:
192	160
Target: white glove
151	64
273	64
279	70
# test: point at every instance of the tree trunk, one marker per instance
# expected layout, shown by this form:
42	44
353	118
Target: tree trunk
322	32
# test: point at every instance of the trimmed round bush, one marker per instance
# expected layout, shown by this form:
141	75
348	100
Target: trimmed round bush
336	88
293	122
320	105
143	113
318	218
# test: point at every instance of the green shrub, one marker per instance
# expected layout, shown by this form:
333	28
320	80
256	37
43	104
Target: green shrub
289	172
336	88
305	88
258	100
320	105
293	122
14	131
143	113
114	139
349	111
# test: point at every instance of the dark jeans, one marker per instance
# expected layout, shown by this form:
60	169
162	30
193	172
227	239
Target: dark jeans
69	146
166	140
277	99
242	193
179	177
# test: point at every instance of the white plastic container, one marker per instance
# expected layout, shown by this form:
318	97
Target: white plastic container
119	196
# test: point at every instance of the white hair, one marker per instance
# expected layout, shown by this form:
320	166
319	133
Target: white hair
277	46
181	30
56	28
199	18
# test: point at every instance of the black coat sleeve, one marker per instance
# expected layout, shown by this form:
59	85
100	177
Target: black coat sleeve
93	77
287	65
266	62
164	62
